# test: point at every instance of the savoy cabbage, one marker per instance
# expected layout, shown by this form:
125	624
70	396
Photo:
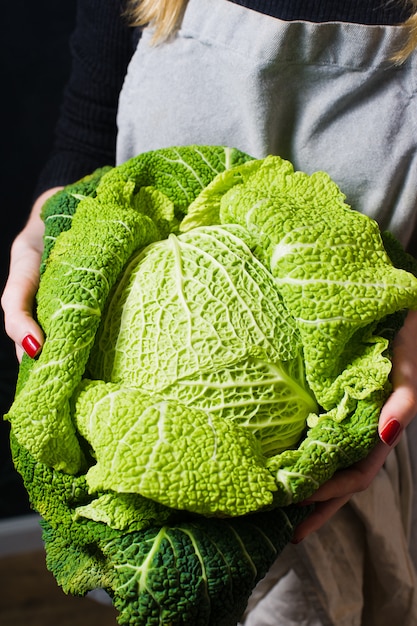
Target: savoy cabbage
217	346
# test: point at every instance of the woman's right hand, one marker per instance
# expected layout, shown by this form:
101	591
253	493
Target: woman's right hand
22	284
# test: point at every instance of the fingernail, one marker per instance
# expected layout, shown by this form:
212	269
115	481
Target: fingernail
390	432
31	346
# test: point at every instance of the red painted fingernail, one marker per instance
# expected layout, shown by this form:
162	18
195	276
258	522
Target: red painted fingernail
30	346
390	432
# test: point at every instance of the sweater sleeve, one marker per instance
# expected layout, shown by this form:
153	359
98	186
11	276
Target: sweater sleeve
101	47
85	135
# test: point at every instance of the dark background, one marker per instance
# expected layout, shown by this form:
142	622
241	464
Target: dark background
35	63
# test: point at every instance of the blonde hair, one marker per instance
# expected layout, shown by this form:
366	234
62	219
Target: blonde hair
165	17
411	41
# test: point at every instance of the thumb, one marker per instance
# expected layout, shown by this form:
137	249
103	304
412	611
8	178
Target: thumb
401	406
18	302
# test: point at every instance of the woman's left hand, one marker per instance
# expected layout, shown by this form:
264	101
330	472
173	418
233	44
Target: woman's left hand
396	414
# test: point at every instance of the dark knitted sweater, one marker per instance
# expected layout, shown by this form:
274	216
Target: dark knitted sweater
102	45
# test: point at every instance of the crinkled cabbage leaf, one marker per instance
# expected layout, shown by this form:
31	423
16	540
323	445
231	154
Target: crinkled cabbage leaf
218	333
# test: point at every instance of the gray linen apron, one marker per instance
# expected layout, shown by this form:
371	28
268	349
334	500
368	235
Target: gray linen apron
326	97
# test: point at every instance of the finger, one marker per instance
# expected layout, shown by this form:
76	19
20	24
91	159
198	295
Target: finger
323	511
355	478
336	492
401	406
397	413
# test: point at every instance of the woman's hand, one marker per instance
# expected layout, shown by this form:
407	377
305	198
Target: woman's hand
22	284
396	414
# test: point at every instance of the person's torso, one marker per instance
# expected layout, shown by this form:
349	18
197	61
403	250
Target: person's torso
326	96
